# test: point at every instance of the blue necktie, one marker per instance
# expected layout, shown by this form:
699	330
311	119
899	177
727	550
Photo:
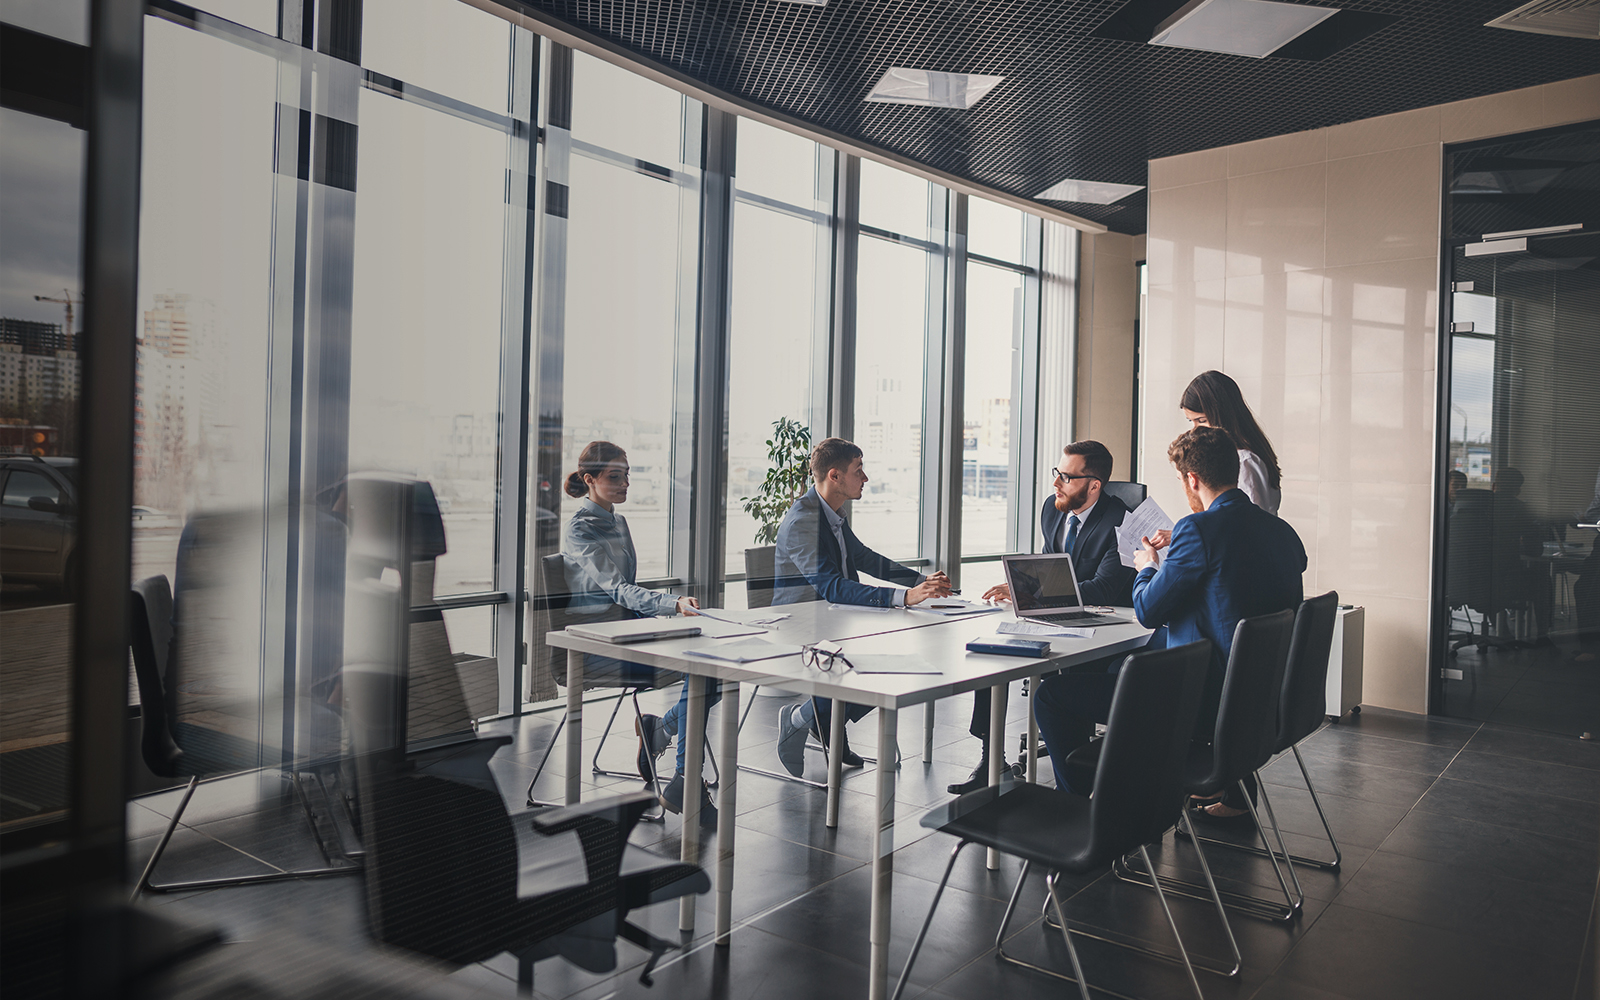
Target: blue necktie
1072	533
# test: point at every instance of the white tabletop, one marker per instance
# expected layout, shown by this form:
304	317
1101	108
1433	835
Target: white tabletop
937	641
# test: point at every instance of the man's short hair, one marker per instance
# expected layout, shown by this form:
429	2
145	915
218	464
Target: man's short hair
1096	458
1210	454
832	453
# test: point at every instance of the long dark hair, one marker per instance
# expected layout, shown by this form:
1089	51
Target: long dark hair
596	456
1218	397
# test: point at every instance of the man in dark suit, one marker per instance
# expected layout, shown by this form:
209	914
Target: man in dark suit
1226	561
1079	518
820	558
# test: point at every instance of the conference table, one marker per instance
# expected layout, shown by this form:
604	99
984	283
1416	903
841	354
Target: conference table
937	642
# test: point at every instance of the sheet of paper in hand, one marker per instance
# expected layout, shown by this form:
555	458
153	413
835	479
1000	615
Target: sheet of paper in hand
1145	519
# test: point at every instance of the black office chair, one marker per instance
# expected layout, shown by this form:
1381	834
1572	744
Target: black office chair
760	575
556	600
1242	743
1300	710
186	750
445	861
1138	795
1131	494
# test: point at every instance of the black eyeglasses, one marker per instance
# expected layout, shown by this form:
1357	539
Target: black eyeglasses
1062	475
823	658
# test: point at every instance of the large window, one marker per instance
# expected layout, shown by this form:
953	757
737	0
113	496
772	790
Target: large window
780	306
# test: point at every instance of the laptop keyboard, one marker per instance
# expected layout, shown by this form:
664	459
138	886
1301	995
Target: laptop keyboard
1077	618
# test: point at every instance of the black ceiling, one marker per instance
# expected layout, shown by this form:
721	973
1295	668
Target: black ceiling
1073	104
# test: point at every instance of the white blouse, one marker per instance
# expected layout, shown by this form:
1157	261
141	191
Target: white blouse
1253	480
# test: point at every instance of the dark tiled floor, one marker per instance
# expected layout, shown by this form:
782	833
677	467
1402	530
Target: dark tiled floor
1469	870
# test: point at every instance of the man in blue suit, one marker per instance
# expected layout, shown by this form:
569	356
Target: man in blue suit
1226	561
820	558
1081	519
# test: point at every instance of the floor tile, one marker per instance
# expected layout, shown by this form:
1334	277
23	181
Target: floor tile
1511	741
1401	755
1472	847
1521	809
1335	774
1377	957
1529	775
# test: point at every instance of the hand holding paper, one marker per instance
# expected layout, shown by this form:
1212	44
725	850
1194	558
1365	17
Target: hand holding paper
1145	520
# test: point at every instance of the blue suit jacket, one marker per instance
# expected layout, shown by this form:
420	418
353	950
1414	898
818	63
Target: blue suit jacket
1229	562
1102	579
809	566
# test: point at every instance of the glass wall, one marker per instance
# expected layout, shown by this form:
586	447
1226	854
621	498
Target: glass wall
1520	566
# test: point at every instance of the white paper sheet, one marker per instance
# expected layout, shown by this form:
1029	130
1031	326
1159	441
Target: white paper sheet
745	651
1034	628
1144	520
953	607
751	616
890	663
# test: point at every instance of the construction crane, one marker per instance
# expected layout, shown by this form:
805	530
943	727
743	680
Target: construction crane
70	331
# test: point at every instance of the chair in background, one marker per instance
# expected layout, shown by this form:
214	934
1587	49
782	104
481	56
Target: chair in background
1131	494
1300	710
556	601
1241	745
186	750
1138	796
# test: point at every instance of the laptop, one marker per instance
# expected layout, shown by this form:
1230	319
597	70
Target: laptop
636	630
1044	589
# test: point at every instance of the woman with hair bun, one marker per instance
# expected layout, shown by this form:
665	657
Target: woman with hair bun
1213	399
602	575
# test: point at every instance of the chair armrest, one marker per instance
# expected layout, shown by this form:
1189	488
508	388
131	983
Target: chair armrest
623	810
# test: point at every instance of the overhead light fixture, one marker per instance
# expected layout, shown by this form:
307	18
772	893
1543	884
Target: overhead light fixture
1087	192
1575	18
1253	28
932	89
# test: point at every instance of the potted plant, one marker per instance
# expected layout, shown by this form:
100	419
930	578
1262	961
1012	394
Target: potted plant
788	477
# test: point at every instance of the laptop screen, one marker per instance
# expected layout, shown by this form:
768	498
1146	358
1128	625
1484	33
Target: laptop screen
1042	583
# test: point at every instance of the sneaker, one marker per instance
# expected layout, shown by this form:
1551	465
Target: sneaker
672	800
652	744
792	734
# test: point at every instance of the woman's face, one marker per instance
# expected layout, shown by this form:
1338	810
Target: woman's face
611	485
1195	419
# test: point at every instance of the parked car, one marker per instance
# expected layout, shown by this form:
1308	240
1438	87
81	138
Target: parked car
38	520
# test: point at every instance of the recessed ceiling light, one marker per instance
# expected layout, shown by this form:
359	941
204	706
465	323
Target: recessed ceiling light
1254	28
929	88
1087	192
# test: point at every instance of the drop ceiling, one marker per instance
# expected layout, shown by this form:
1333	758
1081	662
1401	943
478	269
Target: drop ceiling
1075	103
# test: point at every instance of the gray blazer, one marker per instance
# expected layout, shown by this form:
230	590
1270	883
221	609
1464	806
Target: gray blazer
602	566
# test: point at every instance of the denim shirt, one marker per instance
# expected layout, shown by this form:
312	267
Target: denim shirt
602	565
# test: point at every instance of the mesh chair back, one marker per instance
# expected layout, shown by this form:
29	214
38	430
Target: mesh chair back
1131	494
1305	678
151	610
1138	786
1247	716
760	575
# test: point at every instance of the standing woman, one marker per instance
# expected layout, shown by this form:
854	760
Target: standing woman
1214	400
602	574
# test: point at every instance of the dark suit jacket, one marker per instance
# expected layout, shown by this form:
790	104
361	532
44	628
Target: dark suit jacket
808	564
1102	579
1229	562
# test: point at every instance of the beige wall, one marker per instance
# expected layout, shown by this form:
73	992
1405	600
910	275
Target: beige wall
1306	266
1107	306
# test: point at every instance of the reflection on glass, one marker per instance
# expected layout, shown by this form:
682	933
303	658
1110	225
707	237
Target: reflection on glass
442	45
622	327
891	311
262	15
994	363
425	341
203	373
41	309
625	113
994	230
777	164
64	19
894	200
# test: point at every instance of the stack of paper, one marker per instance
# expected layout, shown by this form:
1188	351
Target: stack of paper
1141	522
1034	628
753	616
954	607
745	651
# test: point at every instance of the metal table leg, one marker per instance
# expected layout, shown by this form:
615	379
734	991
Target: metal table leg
883	856
997	743
727	808
927	733
574	724
836	762
1033	732
694	762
